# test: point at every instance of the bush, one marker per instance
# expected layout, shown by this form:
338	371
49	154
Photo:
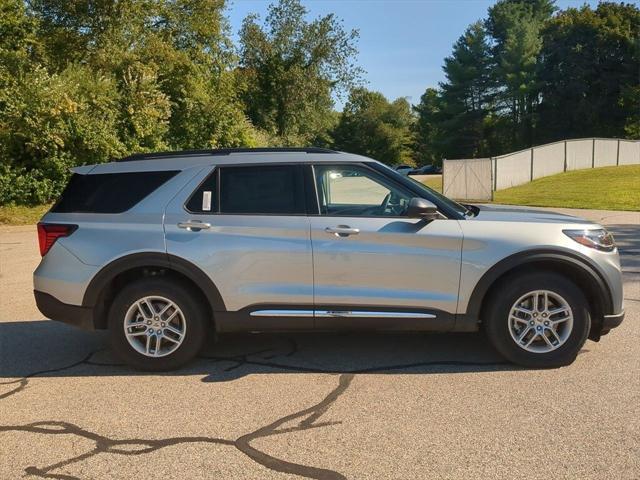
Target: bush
21	187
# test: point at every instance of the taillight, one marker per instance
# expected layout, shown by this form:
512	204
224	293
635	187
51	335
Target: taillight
48	233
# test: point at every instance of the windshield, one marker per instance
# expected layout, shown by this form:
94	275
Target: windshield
429	192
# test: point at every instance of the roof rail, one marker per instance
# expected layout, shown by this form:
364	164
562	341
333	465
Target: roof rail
222	151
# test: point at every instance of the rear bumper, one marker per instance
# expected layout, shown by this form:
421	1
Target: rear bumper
76	315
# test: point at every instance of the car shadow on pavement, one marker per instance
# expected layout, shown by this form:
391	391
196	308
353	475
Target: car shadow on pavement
50	349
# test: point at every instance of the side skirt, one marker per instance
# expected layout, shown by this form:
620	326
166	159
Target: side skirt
333	318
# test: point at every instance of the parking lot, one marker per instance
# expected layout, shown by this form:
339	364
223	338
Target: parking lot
322	406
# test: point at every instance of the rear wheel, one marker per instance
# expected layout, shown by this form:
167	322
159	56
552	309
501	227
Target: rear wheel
538	320
156	324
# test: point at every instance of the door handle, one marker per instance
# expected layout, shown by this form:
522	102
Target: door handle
194	225
342	230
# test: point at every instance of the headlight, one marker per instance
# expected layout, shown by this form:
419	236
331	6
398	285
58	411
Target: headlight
599	239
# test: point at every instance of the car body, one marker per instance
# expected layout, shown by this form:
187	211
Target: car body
427	170
403	169
307	240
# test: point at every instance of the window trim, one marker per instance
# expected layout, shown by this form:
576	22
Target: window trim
366	167
313	209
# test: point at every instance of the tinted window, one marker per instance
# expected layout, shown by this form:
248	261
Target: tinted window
205	198
277	189
108	192
352	190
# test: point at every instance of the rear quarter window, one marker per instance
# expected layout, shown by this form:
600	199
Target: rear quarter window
108	192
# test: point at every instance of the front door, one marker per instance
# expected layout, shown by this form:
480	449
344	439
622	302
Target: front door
373	266
246	227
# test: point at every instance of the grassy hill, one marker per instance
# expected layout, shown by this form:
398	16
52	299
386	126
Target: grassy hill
606	188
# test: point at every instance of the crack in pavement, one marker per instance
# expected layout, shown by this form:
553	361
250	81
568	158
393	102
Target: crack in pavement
24	381
102	444
307	418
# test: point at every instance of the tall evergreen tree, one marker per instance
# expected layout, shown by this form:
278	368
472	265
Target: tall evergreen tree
466	94
591	73
428	134
515	27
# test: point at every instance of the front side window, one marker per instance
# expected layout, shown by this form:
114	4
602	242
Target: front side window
257	189
356	191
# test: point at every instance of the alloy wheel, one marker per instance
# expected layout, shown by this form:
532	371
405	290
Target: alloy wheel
154	326
540	321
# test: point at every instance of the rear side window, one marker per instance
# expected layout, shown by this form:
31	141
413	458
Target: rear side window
273	189
205	198
108	192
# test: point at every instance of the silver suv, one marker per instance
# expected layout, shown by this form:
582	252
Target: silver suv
160	247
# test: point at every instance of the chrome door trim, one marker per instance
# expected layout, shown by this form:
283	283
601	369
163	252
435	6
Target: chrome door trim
367	314
282	313
339	313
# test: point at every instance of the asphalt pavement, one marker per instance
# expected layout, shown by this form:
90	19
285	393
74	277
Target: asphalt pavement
323	406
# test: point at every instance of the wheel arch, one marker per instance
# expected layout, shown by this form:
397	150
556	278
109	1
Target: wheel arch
576	267
105	284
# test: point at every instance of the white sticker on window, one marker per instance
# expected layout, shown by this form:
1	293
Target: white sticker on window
206	201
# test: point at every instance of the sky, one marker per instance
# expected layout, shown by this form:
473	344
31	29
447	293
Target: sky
402	43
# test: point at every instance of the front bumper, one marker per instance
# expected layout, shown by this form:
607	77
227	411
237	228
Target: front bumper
76	315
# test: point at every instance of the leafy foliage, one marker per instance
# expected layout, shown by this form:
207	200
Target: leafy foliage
467	94
591	72
290	67
524	77
84	82
371	125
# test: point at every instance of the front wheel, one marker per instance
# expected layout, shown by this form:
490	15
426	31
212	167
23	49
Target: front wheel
156	324
538	320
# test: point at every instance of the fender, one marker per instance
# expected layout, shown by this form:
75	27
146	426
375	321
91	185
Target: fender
152	259
571	259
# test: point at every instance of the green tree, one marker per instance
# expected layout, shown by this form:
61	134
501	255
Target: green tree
467	94
428	135
291	67
172	62
371	125
591	73
83	82
515	27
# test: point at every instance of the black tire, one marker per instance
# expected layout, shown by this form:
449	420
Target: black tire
496	321
193	312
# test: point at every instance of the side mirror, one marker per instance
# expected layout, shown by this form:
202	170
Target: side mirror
421	208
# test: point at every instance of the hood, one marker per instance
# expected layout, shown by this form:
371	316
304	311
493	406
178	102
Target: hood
507	213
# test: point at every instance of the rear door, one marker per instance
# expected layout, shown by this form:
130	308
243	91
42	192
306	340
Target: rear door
373	266
246	227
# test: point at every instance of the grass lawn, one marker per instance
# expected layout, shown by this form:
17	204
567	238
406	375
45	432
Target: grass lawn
434	183
18	215
605	188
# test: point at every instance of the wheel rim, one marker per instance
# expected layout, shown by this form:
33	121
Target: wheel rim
154	326
540	321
